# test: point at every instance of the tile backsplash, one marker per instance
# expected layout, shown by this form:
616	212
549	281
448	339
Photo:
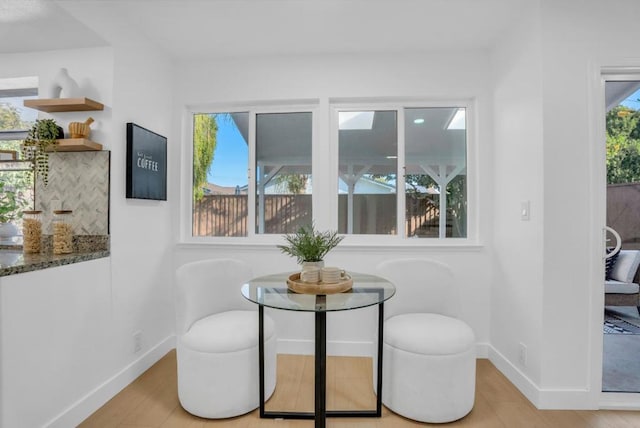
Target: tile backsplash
78	181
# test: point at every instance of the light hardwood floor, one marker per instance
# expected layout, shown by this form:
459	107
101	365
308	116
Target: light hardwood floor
152	401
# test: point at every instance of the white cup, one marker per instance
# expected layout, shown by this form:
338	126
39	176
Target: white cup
310	274
331	274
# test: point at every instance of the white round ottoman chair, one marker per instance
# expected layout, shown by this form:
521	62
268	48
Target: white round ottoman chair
428	359
429	367
217	341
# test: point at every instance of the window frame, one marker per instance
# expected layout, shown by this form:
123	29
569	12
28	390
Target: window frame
400	106
325	170
253	110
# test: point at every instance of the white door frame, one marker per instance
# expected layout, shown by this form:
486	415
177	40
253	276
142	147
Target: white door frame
628	69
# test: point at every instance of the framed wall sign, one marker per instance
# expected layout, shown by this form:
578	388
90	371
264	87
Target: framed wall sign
146	164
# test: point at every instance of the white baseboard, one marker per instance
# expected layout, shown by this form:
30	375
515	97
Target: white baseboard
83	408
515	376
541	398
619	401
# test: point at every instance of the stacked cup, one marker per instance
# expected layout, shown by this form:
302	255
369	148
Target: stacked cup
331	275
310	274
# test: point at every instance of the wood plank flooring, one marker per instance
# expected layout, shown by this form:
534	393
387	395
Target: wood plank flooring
151	401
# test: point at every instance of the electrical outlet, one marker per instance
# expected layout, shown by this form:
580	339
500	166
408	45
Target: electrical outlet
522	354
137	341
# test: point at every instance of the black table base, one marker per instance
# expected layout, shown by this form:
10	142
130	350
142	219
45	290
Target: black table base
321	412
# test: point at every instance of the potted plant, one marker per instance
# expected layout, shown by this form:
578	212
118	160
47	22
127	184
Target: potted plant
11	205
308	245
41	137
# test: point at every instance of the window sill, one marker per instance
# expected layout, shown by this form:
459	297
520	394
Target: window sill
369	246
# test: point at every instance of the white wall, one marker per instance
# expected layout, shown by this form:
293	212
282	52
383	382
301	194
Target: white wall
516	294
60	363
578	38
549	294
323	78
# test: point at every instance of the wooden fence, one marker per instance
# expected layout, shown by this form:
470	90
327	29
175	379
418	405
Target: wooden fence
226	215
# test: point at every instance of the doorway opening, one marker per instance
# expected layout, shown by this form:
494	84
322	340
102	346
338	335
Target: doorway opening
621	341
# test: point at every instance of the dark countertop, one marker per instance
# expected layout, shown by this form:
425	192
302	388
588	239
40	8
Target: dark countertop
14	261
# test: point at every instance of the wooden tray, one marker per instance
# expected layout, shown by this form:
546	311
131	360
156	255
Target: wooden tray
295	284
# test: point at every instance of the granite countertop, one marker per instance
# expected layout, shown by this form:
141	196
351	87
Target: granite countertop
14	261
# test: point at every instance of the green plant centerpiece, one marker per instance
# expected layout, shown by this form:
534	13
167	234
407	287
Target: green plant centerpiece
310	245
41	138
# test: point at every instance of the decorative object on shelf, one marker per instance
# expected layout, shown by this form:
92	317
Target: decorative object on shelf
80	129
11	205
63	84
32	231
41	138
62	232
310	245
146	164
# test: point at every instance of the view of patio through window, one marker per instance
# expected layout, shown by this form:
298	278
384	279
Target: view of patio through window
283	172
367	167
435	172
220	164
252	172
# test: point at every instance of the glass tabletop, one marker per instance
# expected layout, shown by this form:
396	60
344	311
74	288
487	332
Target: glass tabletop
272	291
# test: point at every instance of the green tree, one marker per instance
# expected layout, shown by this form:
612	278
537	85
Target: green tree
10	118
205	131
623	145
20	181
456	198
292	183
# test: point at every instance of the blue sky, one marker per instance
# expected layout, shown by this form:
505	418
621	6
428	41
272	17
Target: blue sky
632	101
231	158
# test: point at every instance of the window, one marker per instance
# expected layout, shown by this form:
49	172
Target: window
435	172
367	166
431	150
220	178
283	172
282	180
15	120
387	171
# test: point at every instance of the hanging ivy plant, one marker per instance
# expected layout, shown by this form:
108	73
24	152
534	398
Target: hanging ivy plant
41	137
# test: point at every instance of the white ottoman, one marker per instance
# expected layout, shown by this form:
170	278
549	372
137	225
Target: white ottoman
429	367
218	364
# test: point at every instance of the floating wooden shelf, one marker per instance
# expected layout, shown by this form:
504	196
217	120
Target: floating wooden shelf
51	105
75	145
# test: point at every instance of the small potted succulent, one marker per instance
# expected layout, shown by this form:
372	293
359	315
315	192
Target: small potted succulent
308	245
41	138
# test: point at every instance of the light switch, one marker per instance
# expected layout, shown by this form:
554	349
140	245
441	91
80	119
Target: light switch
524	210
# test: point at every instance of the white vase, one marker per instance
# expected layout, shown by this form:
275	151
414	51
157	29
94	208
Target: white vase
319	264
8	233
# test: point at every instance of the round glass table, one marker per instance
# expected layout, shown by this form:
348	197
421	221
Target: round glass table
271	291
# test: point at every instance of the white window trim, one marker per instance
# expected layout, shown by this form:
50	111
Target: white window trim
325	129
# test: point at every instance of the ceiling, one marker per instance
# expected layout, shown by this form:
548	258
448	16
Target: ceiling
196	29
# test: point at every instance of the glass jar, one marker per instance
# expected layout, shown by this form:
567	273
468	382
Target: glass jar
62	232
32	231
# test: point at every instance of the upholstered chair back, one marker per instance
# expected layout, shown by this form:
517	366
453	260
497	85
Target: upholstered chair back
422	286
208	287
